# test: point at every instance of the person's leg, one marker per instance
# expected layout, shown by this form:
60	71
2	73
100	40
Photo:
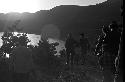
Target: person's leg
76	59
68	56
34	74
72	57
10	78
23	77
109	68
20	77
15	77
26	77
108	76
82	58
120	69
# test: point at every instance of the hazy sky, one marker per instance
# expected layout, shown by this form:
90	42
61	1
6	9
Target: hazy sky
36	5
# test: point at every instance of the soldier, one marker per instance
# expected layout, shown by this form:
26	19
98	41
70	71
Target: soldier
70	45
122	10
110	48
85	46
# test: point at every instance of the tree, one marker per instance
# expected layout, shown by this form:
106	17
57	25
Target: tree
50	65
10	40
44	49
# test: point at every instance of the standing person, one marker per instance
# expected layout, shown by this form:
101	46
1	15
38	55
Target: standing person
70	45
99	51
22	63
4	71
85	46
111	48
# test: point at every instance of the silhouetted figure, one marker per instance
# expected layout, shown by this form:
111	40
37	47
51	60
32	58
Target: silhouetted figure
99	49
100	42
110	46
77	55
21	63
85	46
122	10
70	45
4	71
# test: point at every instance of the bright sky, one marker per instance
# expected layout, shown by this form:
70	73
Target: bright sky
32	6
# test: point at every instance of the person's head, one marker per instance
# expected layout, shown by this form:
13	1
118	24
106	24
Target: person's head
82	35
69	35
105	29
113	25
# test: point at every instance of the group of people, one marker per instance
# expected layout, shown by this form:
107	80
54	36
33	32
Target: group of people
108	50
71	45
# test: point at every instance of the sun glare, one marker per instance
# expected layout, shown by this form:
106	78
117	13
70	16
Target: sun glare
20	6
32	6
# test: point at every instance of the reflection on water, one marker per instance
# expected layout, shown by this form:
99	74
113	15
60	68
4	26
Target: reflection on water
35	39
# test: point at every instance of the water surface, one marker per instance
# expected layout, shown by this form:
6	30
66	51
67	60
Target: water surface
35	39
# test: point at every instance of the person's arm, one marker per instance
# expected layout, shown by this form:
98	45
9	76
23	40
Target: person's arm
89	46
11	60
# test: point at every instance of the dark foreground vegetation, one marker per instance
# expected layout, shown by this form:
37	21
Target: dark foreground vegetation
78	63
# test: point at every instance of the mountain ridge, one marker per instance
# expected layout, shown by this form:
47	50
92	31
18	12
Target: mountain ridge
75	19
